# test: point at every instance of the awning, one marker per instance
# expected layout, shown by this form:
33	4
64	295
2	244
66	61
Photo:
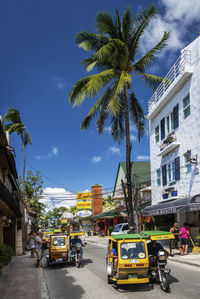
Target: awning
109	214
187	204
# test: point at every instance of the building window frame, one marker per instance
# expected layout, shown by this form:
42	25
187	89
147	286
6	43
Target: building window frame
158	172
187	164
186	107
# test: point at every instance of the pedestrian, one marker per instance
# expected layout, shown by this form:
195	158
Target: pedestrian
38	248
175	243
185	234
32	236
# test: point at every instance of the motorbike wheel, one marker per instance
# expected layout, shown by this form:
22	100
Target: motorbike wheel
164	284
109	281
77	261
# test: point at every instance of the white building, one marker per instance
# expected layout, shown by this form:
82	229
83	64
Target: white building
174	120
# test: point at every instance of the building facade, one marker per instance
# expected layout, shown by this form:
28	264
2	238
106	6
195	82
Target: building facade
174	119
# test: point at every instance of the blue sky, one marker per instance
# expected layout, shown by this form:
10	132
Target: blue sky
39	65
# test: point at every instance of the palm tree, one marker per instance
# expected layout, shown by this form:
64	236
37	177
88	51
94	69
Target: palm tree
16	126
114	52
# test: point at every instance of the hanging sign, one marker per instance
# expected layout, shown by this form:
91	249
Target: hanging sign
84	213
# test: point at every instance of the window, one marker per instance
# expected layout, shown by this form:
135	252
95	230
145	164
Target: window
171	172
158	177
133	250
59	241
175	117
170	123
186	107
157	137
188	165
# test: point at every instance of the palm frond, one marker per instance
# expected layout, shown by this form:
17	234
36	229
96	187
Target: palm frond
115	104
90	41
15	128
117	123
12	116
95	109
146	61
90	86
142	21
105	24
26	138
118	24
137	115
152	81
126	24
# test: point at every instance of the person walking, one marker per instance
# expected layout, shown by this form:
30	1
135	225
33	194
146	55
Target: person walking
175	243
185	234
32	236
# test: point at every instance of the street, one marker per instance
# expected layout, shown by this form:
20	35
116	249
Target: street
89	281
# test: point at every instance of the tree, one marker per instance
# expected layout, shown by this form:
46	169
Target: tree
16	126
73	210
33	186
114	52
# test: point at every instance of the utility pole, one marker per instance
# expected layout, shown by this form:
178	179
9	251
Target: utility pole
135	203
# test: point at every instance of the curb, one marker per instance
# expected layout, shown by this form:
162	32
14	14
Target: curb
44	289
185	262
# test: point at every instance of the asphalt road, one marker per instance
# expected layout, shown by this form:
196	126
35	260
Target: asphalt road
89	282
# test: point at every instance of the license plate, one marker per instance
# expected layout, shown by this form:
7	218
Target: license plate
59	260
132	276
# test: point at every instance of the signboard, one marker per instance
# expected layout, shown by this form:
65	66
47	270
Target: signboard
84	213
83	200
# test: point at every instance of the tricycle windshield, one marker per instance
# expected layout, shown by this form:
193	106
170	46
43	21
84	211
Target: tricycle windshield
117	228
59	241
48	235
133	250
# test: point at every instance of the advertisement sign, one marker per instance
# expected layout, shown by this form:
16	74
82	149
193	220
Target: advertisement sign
84	213
83	200
64	221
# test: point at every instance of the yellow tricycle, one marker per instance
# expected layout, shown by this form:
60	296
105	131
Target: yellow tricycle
128	260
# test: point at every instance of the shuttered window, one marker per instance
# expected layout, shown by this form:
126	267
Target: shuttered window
176	117
177	168
164	175
162	127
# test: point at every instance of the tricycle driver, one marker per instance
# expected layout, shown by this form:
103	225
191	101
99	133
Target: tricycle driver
153	249
77	240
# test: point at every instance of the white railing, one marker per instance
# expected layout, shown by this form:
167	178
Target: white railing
177	69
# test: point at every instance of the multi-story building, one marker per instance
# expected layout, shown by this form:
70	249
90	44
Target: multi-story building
174	120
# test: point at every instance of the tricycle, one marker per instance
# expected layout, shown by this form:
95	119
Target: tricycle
128	260
62	249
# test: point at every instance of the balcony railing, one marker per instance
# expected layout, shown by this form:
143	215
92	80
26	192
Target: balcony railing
177	70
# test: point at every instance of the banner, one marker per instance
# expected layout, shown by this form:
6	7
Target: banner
83	200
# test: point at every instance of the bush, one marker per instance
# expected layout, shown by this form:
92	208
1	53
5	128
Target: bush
6	254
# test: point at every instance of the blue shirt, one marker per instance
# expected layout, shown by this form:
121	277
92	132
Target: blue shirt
76	241
114	251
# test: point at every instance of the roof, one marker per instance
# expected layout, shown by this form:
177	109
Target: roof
139	168
129	236
155	233
109	214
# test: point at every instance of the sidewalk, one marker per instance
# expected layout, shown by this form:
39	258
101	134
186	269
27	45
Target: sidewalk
190	259
21	280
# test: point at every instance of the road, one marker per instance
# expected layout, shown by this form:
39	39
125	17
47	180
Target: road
89	282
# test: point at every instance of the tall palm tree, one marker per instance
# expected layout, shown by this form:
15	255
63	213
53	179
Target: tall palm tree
15	125
114	52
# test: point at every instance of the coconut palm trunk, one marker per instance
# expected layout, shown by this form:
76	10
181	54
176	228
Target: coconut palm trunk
128	160
24	167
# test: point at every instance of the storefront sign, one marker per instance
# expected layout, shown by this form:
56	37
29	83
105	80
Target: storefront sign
83	200
84	213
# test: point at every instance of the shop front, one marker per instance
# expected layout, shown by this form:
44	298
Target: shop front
184	210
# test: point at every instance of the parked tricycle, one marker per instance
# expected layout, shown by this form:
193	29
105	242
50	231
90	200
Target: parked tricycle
129	262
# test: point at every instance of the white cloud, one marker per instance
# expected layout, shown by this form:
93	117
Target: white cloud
143	158
53	152
59	83
57	197
114	150
133	138
96	159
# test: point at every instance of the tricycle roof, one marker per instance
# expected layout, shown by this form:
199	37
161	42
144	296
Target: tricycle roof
128	236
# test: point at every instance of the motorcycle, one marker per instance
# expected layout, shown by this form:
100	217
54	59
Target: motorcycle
76	254
159	272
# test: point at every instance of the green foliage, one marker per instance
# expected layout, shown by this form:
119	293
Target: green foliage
56	212
6	253
107	201
33	191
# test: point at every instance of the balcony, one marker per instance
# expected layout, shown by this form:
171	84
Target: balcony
168	145
176	77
